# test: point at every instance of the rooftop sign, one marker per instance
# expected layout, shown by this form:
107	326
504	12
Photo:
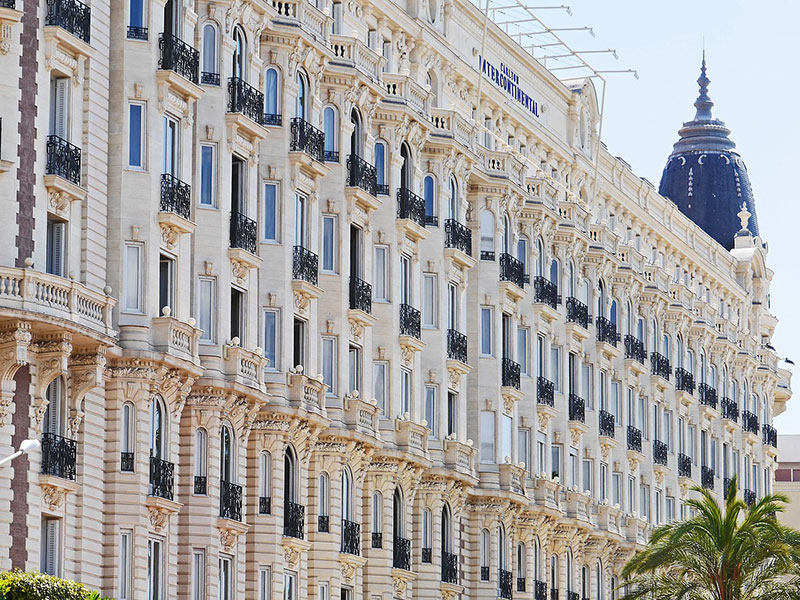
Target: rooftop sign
508	81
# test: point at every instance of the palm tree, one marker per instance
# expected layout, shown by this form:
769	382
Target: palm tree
730	552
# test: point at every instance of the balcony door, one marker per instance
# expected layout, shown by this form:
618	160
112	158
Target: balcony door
171	146
157	428
238	177
397	514
405	280
53	417
447	530
508	338
356	135
452	307
59	107
289	476
356	252
300	217
452	202
227	469
172	17
239	54
405	169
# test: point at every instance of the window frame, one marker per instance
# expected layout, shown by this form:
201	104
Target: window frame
142	142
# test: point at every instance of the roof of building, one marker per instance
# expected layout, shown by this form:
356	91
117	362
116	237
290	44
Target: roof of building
789	448
706	178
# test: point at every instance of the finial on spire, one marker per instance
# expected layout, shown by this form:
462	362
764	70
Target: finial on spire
703	103
744	218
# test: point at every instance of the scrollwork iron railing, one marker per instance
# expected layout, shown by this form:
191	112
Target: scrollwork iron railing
456	346
634	349
450	567
305	265
178	56
659	365
351	537
294	519
634	438
511	373
200	485
360	295
243	98
730	410
362	174
545	292
539	590
749	422
63	159
176	196
58	456
770	435
708	395
458	236
659	452
577	408
265	505
684	465
607	423
70	15
707	477
504	585
126	462
162	478
606	331
512	269
410	321
545	391
401	554
230	501
684	380
243	233
577	312
410	206
307	138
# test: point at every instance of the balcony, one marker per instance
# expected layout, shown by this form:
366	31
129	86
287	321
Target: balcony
264	505
520	584
58	456
659	365
200	485
730	410
410	206
708	395
546	292
504	587
540	590
178	56
307	138
450	567
243	233
577	311
554	594
457	236
323	524
707	478
572	596
634	439
331	156
361	174
230	501
360	294
577	408
456	346
126	462
606	423
769	435
162	478
749	497
71	16
63	159
207	78
606	331
487	255
684	465
377	539
245	109
401	554
176	196
410	321
659	453
749	422
511	374
634	349
351	538
684	381
545	391
512	270
294	518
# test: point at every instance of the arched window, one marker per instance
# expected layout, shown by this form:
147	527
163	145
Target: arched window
554	572
690	361
555	274
501	547
427	534
601	299
429	195
584	581
702	376
539	258
239	53
452	204
487	235
200	461
612	313
209	52
377	519
679	351
570	574
302	84
571	280
433	82
271	95
522	567
735	392
347	495
227	455
53	423
712	375
640	333
522	253
485	553
405	168
398	516
290	476
356	138
665	345
265	483
613	588
324	500
329	128
380	167
508	235
128	442
537	551
158	428
447	530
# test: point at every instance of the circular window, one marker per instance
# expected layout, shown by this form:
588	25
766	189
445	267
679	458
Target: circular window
433	10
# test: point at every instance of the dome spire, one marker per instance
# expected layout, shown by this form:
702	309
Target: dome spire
703	103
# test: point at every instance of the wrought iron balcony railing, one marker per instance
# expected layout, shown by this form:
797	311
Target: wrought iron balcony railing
244	232
708	395
659	452
362	174
546	292
200	485
178	56
137	33
484	573
634	349
512	270
305	265
360	295
572	596
265	505
577	408
749	497
272	119
684	465
126	462
162	478
545	391
511	373
63	159
294	520
554	594
431	220
487	255
331	156
427	555
770	435
307	138
176	196
456	345
383	189
730	410
449	567
749	422
351	537
323	524
707	477
606	331
70	15
634	438
230	501
504	585
401	554
410	321
659	365
520	584
377	539
539	590
209	78
410	206
458	236
243	98
577	312
606	423
684	380
58	456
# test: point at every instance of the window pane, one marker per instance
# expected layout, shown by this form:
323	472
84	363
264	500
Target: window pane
207	175
271	338
487	437
133	277
380	273
430	410
135	136
486	331
328	363
328	243
380	386
270	212
429	300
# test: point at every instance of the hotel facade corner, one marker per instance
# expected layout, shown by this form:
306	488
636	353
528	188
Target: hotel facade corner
311	300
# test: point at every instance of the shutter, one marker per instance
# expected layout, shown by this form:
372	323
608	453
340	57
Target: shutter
51	546
52	416
60	108
57	249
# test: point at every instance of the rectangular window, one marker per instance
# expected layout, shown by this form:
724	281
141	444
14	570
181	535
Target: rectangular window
271	329
380	286
136	136
556	467
616	489
616	402
603	481
323	591
506	433
524	448
657	506
299	343
208	171
487	437
271	212
238	310
429	304
171	147
125	550
51	547
300	214
486	331
354	364
668	430
379	383
155	567
631	494
523	334
452	306
670	509
329	364
265	584
587	384
198	574
644	502
431	410
132	286
555	368
206	308
166	283
405	280
643	416
452	412
289	585
225	575
588	479
405	391
540	357
59	113
56	247
541	453
329	244
573	467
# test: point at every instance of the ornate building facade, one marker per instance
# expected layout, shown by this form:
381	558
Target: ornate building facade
312	300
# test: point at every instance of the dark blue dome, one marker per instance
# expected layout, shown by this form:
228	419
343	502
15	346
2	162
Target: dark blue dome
706	178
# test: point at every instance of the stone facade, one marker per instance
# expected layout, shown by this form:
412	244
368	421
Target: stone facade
301	309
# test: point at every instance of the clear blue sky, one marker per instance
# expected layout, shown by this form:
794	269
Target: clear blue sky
751	52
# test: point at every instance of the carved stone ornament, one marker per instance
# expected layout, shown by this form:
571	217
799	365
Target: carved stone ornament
53	496
158	518
58	203
356	329
301	302
169	236
399	584
348	572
